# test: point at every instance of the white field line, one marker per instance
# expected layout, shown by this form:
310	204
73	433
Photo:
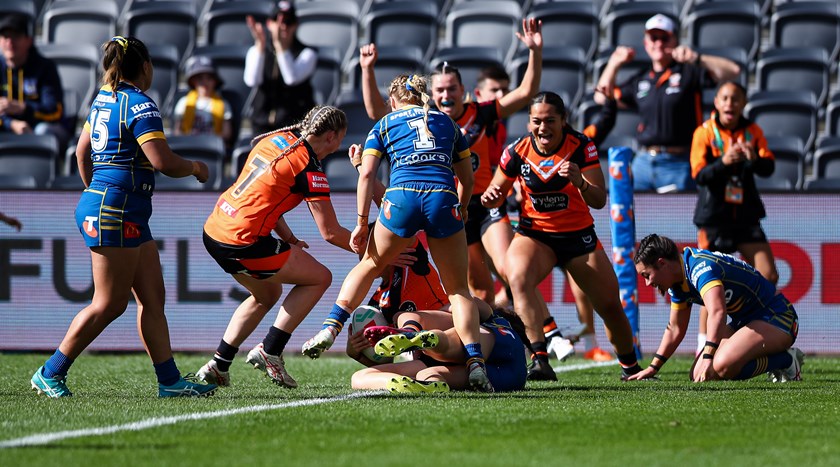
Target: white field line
583	366
46	438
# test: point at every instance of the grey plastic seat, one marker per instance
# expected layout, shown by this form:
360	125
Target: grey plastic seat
206	148
29	154
402	24
469	61
626	121
785	113
80	22
172	23
166	61
790	165
563	70
827	159
725	24
327	78
358	122
625	23
224	23
10	181
807	24
832	115
804	68
823	185
329	23
490	23
569	24
78	66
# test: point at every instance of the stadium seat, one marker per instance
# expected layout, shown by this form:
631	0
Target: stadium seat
224	23
626	122
469	61
625	23
823	185
490	23
205	148
807	24
237	161
341	174
832	115
569	24
391	61
28	8
806	68
517	126
172	23
402	24
725	24
67	183
327	78
12	181
29	154
358	122
80	22
785	113
790	165
330	23
166	61
78	67
827	159
563	69
229	61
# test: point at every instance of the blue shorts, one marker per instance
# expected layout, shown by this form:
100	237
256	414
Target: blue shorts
109	216
410	208
506	367
779	312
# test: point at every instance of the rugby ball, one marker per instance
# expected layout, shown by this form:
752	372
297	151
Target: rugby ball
363	318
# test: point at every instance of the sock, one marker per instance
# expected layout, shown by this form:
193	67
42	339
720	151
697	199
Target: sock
550	329
338	316
167	373
589	341
224	355
474	352
275	341
629	364
701	342
410	328
57	365
761	365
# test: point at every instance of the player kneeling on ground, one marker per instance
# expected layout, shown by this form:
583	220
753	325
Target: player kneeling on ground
763	324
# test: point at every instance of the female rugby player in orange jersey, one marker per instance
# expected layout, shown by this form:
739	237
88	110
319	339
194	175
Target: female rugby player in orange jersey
560	178
282	170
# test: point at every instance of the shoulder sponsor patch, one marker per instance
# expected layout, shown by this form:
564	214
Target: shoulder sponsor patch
591	152
318	182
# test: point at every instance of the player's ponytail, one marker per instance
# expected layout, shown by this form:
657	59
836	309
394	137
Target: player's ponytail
412	90
123	59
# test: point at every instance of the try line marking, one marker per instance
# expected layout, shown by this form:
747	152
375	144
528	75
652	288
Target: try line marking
46	438
583	366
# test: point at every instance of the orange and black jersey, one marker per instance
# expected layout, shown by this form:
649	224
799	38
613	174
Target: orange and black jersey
268	187
550	203
710	143
410	288
475	122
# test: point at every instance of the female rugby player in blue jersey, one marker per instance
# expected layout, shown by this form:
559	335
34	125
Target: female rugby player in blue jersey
762	322
426	150
121	146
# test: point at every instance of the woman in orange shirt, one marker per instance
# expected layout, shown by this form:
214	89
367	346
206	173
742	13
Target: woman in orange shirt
282	170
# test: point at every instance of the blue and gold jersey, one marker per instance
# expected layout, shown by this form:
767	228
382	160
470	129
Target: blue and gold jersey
414	154
746	291
118	125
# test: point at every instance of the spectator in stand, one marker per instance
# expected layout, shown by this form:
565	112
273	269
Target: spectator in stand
281	71
203	111
31	96
667	97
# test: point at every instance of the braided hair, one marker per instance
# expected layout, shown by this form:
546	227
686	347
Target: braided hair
123	59
319	120
412	89
654	247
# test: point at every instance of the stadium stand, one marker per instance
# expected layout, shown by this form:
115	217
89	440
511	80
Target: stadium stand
569	24
402	24
491	23
808	68
80	22
625	23
330	23
725	24
29	154
172	23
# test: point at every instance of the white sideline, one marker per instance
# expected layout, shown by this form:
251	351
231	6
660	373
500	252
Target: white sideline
583	366
46	438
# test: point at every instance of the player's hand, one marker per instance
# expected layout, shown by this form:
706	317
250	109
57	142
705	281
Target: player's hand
355	154
404	259
642	375
358	342
492	197
684	54
200	171
301	243
359	239
571	171
257	32
531	34
704	371
367	55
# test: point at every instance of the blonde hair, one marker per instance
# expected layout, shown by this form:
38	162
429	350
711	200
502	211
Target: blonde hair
319	120
412	89
123	58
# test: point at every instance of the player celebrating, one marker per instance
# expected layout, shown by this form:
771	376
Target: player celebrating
763	324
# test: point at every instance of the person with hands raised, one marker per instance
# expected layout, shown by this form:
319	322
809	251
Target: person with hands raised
560	179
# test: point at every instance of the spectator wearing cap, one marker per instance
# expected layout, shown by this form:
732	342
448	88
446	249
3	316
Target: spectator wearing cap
203	111
31	96
281	69
668	99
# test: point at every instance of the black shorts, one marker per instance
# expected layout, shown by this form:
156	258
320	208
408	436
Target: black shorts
261	259
565	245
726	239
479	219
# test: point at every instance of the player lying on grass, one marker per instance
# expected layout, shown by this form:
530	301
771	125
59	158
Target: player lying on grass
438	364
763	324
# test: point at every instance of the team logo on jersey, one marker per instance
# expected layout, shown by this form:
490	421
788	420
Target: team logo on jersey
131	230
226	208
547	163
89	226
587	239
505	158
591	152
525	170
318	182
280	142
548	202
386	208
408	305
